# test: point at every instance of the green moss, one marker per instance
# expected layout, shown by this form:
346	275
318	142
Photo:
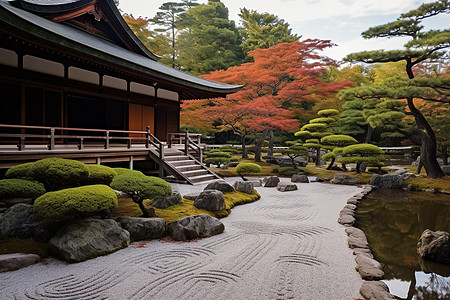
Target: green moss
20	171
126	208
123	171
146	187
100	175
378	170
81	201
15	245
423	183
20	188
58	173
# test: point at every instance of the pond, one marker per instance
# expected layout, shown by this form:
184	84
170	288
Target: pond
393	221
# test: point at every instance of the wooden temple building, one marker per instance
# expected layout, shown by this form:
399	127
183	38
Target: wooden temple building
75	82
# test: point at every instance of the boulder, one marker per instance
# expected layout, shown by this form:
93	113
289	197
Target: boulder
400	171
368	268
299	178
301	161
244	187
344	178
435	246
220	185
167	201
211	200
271	181
10	262
194	227
191	196
143	228
388	181
256	182
356	238
375	290
286	187
446	169
18	221
407	176
88	238
346	220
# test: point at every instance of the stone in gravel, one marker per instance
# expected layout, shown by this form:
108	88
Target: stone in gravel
299	178
15	261
194	227
286	187
271	181
211	200
350	207
191	196
18	221
88	238
143	228
375	290
344	178
368	268
167	201
356	238
220	185
346	220
388	181
256	182
435	246
244	187
363	251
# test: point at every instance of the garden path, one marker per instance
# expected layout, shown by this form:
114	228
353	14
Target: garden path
284	246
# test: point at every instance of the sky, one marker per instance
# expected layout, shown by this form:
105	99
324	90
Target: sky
340	21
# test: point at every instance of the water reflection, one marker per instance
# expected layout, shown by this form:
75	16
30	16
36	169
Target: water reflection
393	221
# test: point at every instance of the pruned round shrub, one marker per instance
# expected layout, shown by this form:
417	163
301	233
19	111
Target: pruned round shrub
20	171
145	187
216	160
218	154
213	150
314	127
124	171
338	140
20	188
58	173
229	149
245	168
327	112
322	120
362	149
80	202
288	171
99	174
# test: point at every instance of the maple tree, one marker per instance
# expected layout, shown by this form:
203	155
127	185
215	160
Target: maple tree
281	83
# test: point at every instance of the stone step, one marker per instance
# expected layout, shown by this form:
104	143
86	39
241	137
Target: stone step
176	158
189	168
201	178
178	163
194	173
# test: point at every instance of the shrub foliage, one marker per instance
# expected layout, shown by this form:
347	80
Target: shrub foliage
20	171
99	174
20	188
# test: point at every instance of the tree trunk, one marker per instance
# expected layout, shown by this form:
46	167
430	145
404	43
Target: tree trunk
259	145
244	149
444	154
270	150
358	170
318	157
427	143
331	163
369	134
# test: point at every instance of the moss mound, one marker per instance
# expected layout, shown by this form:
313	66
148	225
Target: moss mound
123	171
146	187
80	202
58	173
20	188
100	175
20	171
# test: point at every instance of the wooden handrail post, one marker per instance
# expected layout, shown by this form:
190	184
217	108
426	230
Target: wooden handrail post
107	140
147	140
52	139
161	151
186	142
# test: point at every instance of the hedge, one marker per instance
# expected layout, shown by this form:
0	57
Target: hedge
20	171
80	202
124	171
245	168
59	173
218	154
20	188
362	149
99	174
339	140
216	160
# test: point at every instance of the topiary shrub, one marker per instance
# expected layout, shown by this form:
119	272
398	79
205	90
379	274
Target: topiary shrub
247	168
20	188
141	187
229	149
124	171
218	154
20	171
359	153
216	157
100	175
80	202
58	173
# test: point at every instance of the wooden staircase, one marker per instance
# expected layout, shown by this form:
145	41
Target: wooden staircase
187	168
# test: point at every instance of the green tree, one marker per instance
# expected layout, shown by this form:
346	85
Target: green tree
171	19
361	153
263	30
422	46
212	42
335	142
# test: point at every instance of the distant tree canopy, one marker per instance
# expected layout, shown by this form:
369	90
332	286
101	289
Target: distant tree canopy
423	46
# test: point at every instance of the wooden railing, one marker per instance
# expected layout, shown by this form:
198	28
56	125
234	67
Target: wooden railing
52	136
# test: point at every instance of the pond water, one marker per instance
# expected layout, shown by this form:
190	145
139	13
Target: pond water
393	221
